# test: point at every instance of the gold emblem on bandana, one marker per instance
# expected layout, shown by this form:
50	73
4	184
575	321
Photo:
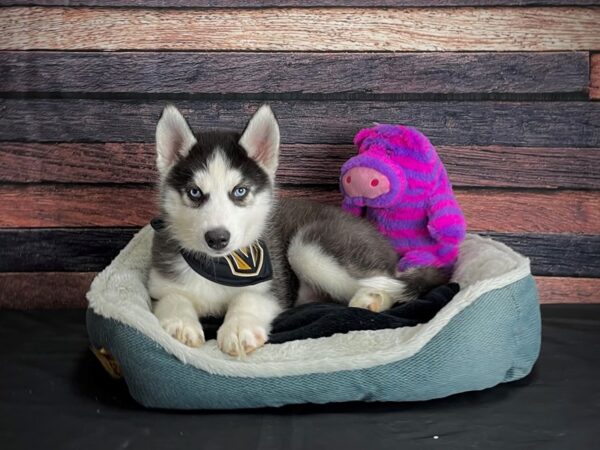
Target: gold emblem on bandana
247	261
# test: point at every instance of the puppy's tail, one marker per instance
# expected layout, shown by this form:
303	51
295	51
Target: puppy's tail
410	284
420	280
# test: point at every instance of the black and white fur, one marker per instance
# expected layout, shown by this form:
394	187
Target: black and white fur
318	252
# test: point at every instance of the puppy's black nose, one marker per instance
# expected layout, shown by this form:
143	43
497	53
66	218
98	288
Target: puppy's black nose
218	238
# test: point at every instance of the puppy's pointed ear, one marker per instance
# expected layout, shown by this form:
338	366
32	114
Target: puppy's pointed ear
261	139
174	138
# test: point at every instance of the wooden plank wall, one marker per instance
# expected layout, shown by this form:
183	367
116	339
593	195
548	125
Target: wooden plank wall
504	88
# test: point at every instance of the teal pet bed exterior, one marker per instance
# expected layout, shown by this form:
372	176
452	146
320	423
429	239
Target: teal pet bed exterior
489	333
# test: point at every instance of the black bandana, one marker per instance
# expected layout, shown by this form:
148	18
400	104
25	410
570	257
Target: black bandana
244	267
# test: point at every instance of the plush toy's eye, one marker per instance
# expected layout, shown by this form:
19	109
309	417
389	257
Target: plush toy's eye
195	193
240	192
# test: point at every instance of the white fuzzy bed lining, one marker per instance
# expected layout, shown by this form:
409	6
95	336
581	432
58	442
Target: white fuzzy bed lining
119	293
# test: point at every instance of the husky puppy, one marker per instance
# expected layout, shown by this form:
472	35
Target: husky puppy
227	246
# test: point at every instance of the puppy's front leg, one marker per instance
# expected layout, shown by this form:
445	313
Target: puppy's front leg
178	317
247	323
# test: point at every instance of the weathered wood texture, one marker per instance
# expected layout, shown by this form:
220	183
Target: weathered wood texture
302	29
595	77
557	254
62	250
91	249
568	290
548	168
513	211
77	163
44	290
485	210
536	124
122	163
290	3
293	74
498	87
52	290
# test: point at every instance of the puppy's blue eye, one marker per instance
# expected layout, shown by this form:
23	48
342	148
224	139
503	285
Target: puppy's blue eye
195	193
240	192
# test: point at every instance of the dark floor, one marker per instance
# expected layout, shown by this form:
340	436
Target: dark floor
54	395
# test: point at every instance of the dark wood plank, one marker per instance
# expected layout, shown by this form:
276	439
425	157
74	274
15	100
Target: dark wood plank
91	249
302	29
47	206
44	290
537	124
557	254
568	290
595	77
493	166
289	3
346	74
60	250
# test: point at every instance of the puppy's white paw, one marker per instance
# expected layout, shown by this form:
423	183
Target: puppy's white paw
371	299
185	331
240	337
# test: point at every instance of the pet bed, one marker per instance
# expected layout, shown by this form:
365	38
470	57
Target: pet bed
489	333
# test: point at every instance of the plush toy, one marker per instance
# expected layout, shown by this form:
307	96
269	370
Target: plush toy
398	182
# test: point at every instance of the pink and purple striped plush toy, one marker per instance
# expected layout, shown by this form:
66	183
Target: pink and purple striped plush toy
399	183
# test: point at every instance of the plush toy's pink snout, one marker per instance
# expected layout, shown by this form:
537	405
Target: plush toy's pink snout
365	182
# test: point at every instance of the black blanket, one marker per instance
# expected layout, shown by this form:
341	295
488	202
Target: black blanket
317	320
